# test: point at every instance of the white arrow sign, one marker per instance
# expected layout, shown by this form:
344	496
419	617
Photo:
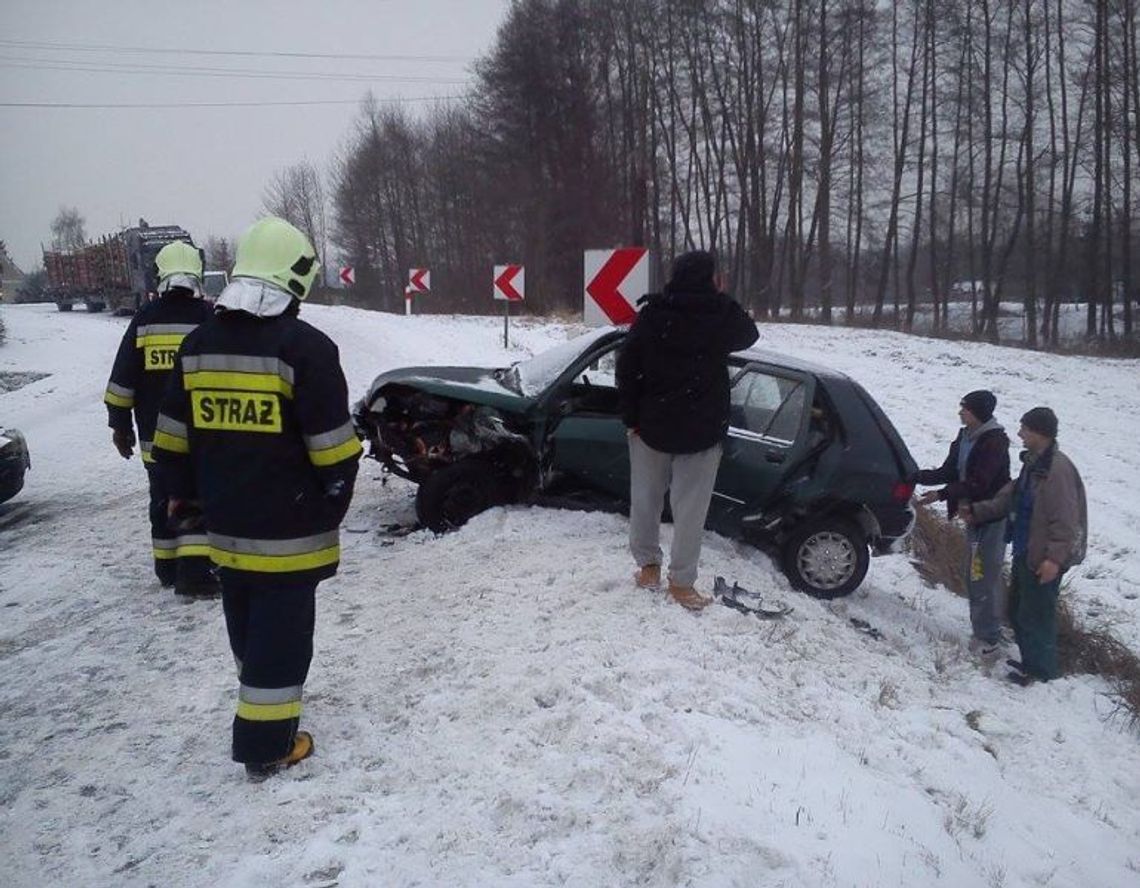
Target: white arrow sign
510	283
615	280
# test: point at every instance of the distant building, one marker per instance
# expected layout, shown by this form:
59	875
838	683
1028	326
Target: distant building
11	278
964	291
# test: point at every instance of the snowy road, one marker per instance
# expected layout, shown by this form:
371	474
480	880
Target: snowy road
499	707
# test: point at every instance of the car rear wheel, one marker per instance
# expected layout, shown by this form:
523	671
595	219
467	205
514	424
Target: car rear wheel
451	496
827	558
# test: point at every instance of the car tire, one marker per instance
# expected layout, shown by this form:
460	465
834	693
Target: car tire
827	557
451	496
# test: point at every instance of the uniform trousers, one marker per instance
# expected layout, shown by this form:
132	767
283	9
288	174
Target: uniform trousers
270	628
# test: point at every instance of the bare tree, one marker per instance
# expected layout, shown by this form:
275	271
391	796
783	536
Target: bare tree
219	254
68	229
297	195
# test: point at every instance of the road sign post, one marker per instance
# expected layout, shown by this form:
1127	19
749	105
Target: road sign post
508	285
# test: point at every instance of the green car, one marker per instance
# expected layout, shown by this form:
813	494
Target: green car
813	472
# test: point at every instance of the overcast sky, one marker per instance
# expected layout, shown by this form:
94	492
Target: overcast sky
202	168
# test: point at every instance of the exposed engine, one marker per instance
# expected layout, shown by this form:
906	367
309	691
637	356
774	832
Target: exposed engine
413	433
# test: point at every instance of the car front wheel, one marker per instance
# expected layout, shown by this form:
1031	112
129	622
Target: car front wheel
451	496
827	558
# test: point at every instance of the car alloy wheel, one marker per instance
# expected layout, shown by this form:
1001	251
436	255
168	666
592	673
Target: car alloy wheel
826	559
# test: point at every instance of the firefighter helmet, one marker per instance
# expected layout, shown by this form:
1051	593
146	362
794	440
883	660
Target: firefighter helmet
274	251
178	257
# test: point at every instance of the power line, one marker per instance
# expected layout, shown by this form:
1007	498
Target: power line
191	71
166	105
106	47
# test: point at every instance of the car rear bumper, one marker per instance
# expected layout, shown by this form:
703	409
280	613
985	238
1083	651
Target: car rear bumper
895	525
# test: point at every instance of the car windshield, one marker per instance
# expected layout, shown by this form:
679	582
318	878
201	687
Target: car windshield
534	375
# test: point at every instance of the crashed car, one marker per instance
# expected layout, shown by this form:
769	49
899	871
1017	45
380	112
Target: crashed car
813	472
14	462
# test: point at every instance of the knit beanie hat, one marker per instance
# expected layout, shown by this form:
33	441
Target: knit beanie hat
1041	420
980	403
693	271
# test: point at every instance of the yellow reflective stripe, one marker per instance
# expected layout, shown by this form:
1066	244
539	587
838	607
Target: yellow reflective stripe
265	712
240	382
332	455
197	550
118	400
166	441
161	339
188	545
275	563
147	456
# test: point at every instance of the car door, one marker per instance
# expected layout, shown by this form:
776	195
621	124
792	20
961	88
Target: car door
768	421
589	440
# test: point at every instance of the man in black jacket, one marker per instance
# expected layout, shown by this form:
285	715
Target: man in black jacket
975	469
672	381
138	380
255	431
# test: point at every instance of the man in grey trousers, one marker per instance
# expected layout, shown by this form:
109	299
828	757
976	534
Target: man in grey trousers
672	382
976	468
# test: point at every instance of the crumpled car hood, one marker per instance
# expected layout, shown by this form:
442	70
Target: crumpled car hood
476	385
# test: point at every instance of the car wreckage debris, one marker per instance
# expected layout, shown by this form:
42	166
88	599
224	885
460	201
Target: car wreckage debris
866	628
748	602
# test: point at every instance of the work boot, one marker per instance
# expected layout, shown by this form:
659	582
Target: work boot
688	597
303	747
648	577
166	573
190	590
1020	678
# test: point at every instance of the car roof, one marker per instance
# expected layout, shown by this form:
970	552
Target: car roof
764	356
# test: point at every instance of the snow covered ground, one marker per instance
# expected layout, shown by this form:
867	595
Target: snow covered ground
499	706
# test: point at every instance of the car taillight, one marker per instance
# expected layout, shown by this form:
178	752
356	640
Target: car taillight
902	492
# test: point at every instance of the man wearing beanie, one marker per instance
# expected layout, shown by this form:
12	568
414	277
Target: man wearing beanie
1049	528
672	380
976	468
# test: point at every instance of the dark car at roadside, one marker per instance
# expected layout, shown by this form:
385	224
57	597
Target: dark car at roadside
813	471
14	462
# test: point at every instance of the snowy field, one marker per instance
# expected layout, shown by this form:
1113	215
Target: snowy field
500	707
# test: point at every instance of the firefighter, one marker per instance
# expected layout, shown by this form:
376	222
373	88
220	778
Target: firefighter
138	380
255	433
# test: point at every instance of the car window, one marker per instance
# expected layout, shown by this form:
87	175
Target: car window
601	372
535	374
768	405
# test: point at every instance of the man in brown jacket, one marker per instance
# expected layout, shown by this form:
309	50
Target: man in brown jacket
1049	529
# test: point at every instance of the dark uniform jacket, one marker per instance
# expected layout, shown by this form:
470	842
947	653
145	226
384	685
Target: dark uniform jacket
671	373
145	359
255	426
987	470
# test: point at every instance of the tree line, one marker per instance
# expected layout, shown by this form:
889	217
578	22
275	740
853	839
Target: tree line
906	164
